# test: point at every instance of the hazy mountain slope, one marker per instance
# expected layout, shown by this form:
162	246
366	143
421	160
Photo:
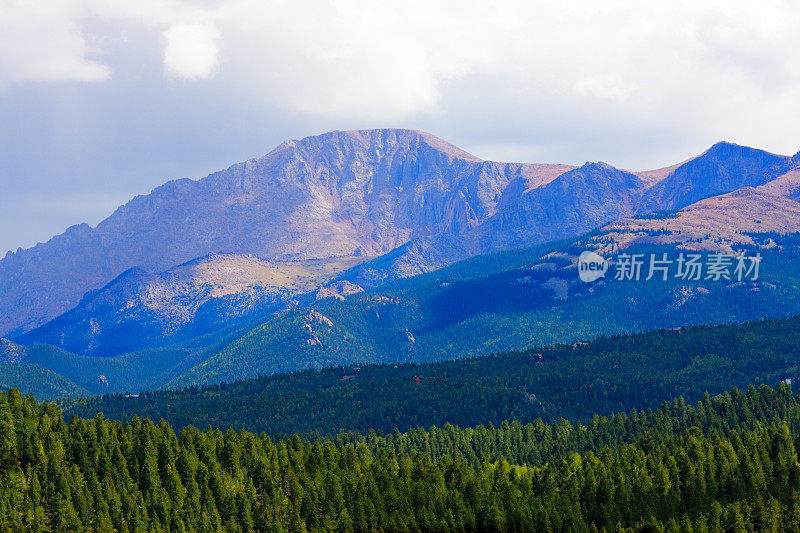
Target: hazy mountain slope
131	372
43	383
580	200
722	222
574	203
539	302
787	185
139	309
358	193
483	305
722	168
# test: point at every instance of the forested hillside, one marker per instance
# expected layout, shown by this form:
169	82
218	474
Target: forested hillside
728	464
144	369
533	303
485	305
44	384
572	381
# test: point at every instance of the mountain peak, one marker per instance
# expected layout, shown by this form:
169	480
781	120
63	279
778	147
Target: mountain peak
132	273
721	169
725	144
729	149
598	165
382	140
350	194
339	194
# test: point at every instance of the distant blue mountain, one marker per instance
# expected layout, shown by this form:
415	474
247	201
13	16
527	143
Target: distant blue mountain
723	168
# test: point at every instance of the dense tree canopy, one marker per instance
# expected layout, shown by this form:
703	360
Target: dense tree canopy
728	463
572	381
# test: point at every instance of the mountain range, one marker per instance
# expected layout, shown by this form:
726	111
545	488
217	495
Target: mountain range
342	194
383	246
586	198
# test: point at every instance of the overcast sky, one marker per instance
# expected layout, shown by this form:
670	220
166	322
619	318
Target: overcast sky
102	100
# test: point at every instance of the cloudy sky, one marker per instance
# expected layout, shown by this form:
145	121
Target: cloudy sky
101	100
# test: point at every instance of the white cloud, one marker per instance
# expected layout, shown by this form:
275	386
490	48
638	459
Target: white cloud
380	61
191	51
40	41
349	59
637	84
392	61
516	69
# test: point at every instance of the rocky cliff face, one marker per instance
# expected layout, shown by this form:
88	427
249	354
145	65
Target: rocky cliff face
575	202
595	194
358	193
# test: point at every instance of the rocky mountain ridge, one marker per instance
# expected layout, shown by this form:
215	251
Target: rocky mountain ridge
334	201
587	198
357	193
